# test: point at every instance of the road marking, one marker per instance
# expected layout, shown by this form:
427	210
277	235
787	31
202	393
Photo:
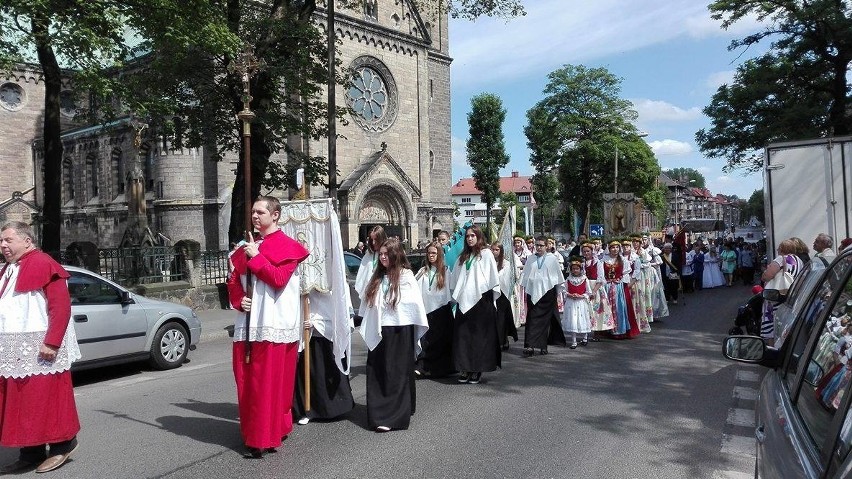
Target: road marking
747	376
741	417
745	392
738	445
196	367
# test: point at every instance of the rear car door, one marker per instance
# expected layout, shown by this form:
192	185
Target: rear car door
105	327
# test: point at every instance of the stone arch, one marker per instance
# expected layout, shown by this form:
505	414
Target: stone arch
385	204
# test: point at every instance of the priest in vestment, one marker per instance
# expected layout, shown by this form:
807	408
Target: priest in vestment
37	407
268	329
541	280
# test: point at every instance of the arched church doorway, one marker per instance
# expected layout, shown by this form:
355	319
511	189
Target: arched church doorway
384	206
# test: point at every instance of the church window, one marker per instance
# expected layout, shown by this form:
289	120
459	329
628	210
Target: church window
67	105
372	94
92	171
395	20
117	167
68	178
431	159
371	9
12	96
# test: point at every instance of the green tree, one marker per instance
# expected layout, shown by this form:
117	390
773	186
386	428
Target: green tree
486	149
798	89
578	127
88	39
687	176
754	207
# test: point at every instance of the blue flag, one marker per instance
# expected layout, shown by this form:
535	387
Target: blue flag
453	249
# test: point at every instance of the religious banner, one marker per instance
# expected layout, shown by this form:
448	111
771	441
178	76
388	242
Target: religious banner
454	248
506	237
315	225
619	213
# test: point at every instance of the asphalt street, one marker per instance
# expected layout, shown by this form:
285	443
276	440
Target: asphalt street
655	406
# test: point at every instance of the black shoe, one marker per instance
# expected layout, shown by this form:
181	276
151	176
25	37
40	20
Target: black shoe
506	345
573	346
474	378
463	378
543	351
253	453
584	342
528	352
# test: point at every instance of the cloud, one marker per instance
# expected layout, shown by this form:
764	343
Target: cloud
458	150
670	147
658	110
715	80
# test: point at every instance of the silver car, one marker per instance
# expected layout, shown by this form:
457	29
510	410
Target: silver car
802	413
114	325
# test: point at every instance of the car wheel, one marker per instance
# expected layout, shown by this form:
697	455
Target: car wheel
170	346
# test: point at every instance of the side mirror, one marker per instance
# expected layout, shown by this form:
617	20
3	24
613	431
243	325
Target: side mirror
774	295
747	349
126	297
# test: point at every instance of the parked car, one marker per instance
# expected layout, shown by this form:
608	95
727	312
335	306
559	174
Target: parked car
114	325
802	414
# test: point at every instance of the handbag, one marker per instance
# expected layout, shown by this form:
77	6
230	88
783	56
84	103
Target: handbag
781	281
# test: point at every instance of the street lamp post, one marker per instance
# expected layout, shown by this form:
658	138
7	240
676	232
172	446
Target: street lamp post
641	134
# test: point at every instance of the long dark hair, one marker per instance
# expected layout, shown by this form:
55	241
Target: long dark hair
381	237
500	257
439	264
474	250
396	263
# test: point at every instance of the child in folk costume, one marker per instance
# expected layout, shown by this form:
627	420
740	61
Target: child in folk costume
601	311
576	318
436	357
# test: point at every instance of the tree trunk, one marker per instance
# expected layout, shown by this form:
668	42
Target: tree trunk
51	213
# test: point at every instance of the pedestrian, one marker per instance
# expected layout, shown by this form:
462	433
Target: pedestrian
618	293
505	317
802	250
576	318
824	247
661	307
542	280
729	262
436	357
475	284
642	284
37	409
787	260
444	240
519	252
601	311
369	262
745	261
267	330
576	250
359	249
670	273
697	261
394	322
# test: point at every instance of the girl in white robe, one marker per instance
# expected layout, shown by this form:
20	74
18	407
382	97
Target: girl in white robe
436	357
369	262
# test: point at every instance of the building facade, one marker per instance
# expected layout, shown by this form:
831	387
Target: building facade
394	161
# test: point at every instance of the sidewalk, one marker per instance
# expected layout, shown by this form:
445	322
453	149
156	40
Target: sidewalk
215	323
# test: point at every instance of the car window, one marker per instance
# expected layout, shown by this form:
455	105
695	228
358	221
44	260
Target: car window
85	289
829	369
809	313
796	299
353	262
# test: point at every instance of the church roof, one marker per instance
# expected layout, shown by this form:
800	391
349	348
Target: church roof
362	172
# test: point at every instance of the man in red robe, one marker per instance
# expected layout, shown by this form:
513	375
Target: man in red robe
267	330
37	408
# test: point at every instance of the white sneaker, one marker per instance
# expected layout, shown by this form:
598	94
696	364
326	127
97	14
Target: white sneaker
304	420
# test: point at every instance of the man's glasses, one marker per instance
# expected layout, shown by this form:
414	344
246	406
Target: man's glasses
540	245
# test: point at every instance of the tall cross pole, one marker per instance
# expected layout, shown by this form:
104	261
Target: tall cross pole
246	65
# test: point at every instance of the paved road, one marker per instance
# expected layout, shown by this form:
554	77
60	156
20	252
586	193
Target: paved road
657	406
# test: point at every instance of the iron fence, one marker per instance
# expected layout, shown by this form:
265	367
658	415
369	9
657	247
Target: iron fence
214	267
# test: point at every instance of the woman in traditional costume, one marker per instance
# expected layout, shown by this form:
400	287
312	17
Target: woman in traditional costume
436	357
505	318
640	295
601	311
394	322
475	285
615	269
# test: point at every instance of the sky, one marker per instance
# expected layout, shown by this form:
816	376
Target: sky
670	55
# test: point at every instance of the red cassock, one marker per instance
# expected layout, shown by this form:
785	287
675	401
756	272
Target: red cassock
40	409
265	384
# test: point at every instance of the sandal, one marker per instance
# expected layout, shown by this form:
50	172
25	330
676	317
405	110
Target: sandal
573	346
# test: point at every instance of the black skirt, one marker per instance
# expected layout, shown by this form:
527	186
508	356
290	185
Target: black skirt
505	320
391	394
331	395
543	326
436	358
476	346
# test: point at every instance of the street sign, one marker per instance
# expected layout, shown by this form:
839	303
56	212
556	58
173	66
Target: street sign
596	230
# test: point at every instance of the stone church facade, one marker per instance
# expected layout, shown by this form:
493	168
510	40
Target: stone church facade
394	160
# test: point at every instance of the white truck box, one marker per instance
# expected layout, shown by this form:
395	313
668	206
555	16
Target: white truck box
807	190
